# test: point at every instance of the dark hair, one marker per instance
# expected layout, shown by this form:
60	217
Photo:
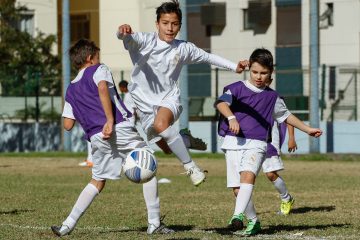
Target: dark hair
263	57
123	83
81	50
169	7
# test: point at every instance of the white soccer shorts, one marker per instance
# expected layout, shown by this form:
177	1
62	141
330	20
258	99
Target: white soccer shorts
147	119
242	160
108	155
272	164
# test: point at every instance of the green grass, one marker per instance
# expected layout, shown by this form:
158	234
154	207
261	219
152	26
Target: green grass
39	191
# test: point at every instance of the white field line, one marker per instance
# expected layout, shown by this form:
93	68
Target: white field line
296	236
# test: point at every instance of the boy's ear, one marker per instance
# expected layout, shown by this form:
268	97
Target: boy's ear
88	59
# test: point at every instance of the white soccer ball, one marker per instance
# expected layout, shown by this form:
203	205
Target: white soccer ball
140	166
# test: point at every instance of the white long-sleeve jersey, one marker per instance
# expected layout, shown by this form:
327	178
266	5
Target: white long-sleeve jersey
157	66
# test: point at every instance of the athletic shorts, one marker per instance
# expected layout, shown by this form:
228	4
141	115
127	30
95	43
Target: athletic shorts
108	155
241	160
147	119
272	164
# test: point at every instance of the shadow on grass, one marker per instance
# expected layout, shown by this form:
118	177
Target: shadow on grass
16	211
5	166
220	230
176	228
278	228
312	209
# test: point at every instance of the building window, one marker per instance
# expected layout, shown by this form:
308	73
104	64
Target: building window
247	24
79	27
25	23
251	15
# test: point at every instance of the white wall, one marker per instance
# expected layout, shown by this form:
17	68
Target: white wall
45	15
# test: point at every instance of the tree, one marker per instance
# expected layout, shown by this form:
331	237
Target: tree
22	56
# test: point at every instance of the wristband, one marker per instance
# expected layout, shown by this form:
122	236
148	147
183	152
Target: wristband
231	117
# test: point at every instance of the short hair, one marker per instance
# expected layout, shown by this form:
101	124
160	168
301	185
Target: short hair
123	83
81	50
169	7
263	57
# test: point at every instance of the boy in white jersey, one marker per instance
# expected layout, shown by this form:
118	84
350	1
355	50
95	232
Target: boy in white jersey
92	100
248	110
158	59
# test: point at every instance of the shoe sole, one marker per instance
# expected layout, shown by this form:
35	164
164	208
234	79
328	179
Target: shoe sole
199	182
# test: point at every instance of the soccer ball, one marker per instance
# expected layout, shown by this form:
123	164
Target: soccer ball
140	166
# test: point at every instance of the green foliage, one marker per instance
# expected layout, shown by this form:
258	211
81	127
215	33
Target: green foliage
24	57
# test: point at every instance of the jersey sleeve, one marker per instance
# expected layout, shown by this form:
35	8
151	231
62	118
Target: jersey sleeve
133	41
68	111
193	54
226	97
103	73
281	113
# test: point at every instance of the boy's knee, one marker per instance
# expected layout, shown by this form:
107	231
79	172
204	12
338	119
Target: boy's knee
272	176
160	126
98	184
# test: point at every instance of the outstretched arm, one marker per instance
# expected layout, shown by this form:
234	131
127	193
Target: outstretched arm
224	109
294	121
124	30
107	107
292	146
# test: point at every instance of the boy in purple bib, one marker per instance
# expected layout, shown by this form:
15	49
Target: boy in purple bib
249	109
92	100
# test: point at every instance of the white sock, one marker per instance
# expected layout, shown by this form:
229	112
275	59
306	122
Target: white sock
250	212
243	198
280	186
150	191
84	200
176	144
186	140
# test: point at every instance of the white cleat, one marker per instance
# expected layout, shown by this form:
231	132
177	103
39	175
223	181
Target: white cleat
161	229
61	230
196	175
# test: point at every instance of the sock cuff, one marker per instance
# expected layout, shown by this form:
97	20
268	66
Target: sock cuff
169	134
246	185
92	189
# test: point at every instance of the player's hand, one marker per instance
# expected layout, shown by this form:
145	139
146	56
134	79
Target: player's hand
234	126
107	130
125	29
315	132
292	146
242	65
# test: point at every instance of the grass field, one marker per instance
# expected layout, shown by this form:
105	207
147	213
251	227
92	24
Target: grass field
39	191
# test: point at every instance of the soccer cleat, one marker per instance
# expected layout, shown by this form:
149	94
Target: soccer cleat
286	206
196	175
86	163
236	222
61	230
161	229
195	143
252	228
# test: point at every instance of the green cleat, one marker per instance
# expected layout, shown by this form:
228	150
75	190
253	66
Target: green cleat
285	207
236	222
253	228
